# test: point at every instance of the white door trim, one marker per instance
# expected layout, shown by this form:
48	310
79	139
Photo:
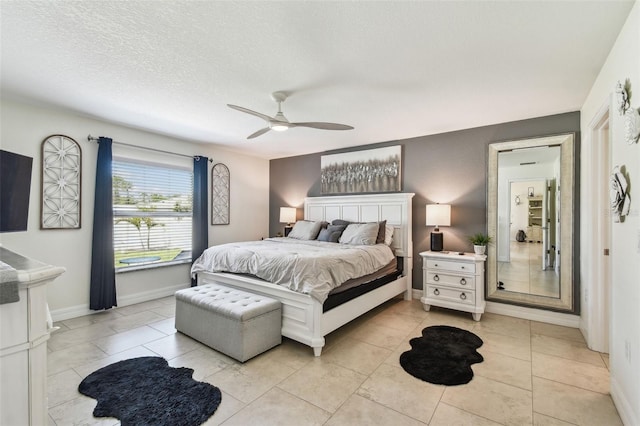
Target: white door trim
596	276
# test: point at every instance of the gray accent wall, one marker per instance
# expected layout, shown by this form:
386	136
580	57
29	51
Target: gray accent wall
448	168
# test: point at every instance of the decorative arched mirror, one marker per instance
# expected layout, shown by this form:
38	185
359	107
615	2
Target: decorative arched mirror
530	262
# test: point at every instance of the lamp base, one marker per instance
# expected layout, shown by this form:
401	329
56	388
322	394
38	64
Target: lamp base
287	229
436	241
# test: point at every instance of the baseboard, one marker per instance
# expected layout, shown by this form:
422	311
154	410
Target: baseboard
71	312
416	293
624	407
540	315
550	317
131	299
145	296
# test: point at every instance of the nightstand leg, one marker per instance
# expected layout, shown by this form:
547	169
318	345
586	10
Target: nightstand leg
426	307
476	317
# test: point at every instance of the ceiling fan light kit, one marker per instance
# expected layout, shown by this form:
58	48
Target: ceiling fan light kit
279	122
278	127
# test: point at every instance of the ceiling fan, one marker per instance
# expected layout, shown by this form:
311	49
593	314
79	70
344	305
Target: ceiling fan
279	122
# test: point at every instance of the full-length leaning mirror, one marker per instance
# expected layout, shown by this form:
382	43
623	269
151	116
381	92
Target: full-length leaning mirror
530	220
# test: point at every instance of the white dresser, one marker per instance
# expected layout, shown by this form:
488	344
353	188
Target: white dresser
24	332
455	281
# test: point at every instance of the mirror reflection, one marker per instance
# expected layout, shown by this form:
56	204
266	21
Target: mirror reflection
530	219
528	235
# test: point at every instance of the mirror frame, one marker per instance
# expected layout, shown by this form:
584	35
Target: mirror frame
566	300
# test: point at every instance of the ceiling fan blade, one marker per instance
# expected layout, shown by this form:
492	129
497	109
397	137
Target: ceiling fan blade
258	133
323	126
248	111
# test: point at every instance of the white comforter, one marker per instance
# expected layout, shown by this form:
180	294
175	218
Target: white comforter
310	267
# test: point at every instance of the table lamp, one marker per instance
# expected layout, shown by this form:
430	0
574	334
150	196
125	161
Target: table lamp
288	216
438	215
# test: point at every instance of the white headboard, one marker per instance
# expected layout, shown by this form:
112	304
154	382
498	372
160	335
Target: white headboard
394	207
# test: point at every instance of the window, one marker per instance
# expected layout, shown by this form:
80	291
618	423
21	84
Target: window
152	209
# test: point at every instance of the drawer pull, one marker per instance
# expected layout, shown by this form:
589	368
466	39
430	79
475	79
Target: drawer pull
435	264
462	267
463	281
463	296
436	277
436	292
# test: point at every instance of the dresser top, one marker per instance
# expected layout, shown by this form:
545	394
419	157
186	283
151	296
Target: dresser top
454	255
28	270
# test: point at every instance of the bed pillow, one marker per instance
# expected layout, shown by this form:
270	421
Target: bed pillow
360	234
388	234
331	233
305	230
380	238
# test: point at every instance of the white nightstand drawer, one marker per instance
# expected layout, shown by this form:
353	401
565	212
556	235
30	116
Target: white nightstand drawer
463	282
446	265
455	281
453	295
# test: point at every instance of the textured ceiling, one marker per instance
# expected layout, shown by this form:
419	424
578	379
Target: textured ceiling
393	70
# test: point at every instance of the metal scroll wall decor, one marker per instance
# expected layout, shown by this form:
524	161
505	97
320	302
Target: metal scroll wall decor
61	183
220	194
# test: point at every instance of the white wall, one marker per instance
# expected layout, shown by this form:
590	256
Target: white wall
520	212
623	62
24	127
537	172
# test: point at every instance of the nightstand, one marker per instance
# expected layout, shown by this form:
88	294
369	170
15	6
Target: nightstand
455	281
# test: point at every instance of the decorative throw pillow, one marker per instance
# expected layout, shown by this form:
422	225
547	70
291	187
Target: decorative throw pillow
381	231
331	233
360	234
388	235
305	230
380	238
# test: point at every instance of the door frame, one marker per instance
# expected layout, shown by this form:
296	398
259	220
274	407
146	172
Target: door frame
596	233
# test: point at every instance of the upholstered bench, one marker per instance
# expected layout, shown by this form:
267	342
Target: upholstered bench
234	322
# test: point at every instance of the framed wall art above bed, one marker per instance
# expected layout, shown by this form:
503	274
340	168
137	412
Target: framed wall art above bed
368	171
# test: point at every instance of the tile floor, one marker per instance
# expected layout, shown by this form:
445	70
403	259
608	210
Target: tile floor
533	373
524	273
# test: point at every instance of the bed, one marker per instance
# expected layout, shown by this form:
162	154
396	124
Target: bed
304	318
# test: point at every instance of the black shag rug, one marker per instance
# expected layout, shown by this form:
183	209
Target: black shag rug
443	355
146	391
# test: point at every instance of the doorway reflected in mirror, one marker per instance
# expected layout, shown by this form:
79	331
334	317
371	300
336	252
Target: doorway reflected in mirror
531	262
527	261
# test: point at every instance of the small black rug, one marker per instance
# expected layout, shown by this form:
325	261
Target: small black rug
443	355
146	391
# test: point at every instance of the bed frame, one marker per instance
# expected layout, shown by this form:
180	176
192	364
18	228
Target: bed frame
302	316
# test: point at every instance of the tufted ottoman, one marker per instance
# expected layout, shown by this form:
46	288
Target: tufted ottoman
234	322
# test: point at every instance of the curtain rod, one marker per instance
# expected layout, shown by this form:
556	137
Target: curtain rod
91	139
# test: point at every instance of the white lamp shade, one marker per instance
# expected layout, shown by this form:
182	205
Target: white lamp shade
287	214
438	215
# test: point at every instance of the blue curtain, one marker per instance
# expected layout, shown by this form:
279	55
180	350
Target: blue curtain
200	227
103	277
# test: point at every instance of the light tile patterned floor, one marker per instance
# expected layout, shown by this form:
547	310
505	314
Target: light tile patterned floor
533	373
524	273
